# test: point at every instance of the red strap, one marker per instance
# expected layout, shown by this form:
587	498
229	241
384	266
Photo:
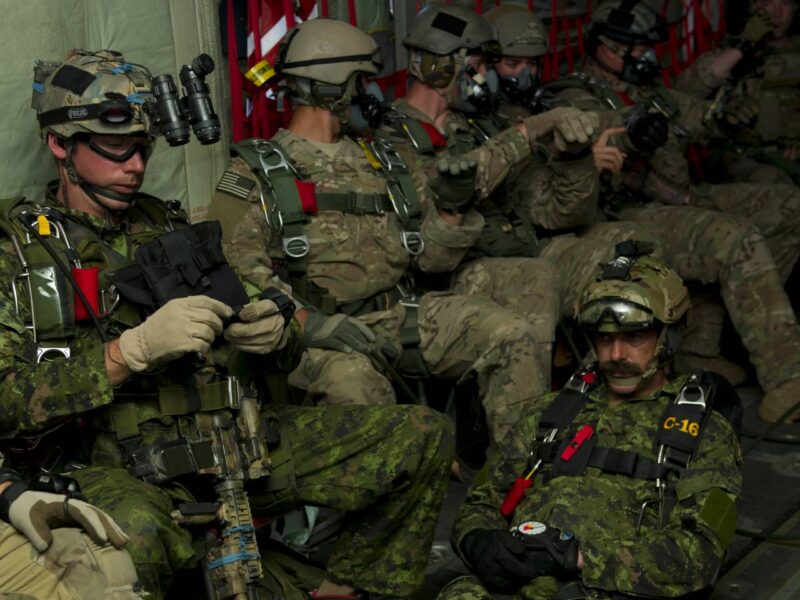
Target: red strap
514	496
626	100
308	196
583	434
88	281
436	136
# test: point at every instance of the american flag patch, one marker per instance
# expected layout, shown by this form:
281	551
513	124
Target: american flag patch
234	184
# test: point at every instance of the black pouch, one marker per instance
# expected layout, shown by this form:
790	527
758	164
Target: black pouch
577	462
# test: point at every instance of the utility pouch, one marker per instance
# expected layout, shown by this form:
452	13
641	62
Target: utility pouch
181	263
574	453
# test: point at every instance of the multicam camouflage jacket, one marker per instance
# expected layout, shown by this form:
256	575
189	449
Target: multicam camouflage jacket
60	394
553	193
354	254
587	89
602	508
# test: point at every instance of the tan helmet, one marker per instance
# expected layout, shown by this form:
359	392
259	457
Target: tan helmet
92	92
328	50
444	29
632	293
629	22
520	32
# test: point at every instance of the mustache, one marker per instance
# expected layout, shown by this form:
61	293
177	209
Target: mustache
620	367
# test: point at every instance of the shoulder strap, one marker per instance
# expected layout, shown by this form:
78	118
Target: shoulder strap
6	206
164	214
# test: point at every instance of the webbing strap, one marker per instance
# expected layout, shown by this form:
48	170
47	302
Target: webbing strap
180	400
124	415
354	202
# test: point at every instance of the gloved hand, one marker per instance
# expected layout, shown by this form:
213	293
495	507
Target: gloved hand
36	514
498	559
453	186
262	328
572	129
549	550
647	129
757	27
181	326
740	111
339	332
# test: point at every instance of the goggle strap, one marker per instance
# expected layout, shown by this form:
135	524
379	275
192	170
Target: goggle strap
69	114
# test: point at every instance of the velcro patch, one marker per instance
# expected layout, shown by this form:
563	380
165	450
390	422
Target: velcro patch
236	185
449	23
72	79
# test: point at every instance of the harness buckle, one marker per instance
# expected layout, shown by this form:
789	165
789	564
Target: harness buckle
43	351
296	247
413	242
695	396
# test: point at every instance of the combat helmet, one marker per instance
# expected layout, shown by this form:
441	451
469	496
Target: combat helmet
439	41
521	34
629	22
635	291
519	31
92	92
324	61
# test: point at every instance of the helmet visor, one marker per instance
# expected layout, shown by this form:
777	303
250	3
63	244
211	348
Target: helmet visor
624	313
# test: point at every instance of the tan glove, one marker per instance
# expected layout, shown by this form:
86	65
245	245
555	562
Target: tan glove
758	27
572	129
179	327
36	514
740	111
262	329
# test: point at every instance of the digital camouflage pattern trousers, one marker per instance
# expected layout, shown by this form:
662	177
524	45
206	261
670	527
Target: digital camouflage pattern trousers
460	336
72	568
387	467
470	587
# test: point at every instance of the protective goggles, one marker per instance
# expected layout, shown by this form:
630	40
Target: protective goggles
110	112
624	313
119	149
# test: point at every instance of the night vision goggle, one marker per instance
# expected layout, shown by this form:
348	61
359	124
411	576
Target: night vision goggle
625	313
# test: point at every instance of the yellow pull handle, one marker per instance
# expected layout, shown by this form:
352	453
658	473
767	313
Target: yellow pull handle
43	226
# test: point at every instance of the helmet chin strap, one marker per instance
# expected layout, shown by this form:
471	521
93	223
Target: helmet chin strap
90	189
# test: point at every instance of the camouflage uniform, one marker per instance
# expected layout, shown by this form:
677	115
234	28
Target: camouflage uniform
555	196
72	568
359	258
601	509
755	154
720	247
38	396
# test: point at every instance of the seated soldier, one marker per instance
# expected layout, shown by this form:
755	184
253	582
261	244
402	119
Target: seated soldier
143	387
624	483
54	546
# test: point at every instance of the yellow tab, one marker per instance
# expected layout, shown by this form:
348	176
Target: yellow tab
373	160
43	225
260	73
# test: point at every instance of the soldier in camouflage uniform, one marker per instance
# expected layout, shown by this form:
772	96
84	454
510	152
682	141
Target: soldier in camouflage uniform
447	114
343	222
760	67
633	494
44	557
707	242
112	392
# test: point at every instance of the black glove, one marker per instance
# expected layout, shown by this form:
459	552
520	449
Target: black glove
453	186
498	558
647	130
549	550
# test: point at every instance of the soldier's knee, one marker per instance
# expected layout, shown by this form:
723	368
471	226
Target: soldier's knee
433	427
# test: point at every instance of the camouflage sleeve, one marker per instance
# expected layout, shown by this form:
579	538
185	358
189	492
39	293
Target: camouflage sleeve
245	234
683	556
559	194
689	120
495	159
446	244
34	396
698	80
481	507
